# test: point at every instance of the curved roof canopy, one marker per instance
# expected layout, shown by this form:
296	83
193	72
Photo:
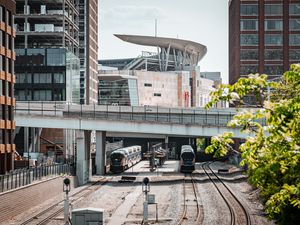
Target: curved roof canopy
190	47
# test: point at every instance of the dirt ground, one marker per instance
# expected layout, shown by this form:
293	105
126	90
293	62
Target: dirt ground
123	202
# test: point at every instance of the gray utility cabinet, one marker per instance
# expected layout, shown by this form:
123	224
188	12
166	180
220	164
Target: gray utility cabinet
87	216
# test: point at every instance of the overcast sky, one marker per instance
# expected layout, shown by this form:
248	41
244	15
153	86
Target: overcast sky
202	21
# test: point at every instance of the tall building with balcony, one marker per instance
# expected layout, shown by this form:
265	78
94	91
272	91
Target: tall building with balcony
264	37
7	100
88	51
47	48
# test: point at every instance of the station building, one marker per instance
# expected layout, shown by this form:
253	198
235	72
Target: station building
8	79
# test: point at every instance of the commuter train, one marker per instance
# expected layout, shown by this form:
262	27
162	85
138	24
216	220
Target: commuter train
187	159
123	158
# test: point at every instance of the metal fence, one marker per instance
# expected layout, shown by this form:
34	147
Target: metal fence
197	116
21	177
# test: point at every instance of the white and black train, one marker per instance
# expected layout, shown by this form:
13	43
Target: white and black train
123	158
187	159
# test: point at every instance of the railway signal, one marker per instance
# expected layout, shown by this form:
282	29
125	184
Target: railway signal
66	188
145	189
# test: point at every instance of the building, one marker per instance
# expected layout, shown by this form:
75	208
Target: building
47	65
88	51
167	78
7	100
264	37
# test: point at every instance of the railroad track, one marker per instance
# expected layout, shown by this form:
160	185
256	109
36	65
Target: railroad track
239	215
192	213
51	212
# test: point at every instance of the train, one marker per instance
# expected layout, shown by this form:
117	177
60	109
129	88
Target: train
187	159
123	158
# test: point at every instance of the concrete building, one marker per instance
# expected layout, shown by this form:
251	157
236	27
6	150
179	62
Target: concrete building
88	51
264	37
168	78
7	100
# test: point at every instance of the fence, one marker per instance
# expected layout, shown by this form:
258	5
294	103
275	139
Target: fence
21	177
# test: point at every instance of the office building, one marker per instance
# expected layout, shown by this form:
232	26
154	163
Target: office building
88	51
264	37
7	100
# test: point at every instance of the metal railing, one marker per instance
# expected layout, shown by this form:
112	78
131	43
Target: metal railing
192	116
22	177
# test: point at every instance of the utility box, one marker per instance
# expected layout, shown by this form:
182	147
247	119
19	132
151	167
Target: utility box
87	216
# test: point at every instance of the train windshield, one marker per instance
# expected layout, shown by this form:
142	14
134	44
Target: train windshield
188	156
116	157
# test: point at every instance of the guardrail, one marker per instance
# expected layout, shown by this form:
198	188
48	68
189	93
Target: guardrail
193	116
22	177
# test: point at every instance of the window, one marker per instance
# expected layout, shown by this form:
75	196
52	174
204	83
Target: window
37	56
249	39
157	94
249	54
294	54
294	39
273	25
42	95
273	39
295	24
56	57
247	69
23	78
249	10
147	85
2	13
294	9
273	69
273	9
249	24
273	54
58	78
42	78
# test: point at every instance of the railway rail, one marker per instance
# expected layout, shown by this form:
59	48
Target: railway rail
239	215
51	212
192	213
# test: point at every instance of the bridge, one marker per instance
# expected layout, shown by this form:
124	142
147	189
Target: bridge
118	120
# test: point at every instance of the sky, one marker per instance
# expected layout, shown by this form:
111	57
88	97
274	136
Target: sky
202	21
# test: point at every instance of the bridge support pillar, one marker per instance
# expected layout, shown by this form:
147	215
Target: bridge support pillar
100	152
167	145
83	163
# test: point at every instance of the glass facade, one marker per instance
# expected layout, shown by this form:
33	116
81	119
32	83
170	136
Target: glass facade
273	69
294	54
249	39
294	24
118	92
47	75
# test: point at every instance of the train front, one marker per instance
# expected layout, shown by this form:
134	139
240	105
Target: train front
117	161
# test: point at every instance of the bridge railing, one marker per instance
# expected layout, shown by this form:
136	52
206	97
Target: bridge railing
21	177
197	116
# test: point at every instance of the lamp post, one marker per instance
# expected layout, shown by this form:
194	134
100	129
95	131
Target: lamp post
145	189
66	188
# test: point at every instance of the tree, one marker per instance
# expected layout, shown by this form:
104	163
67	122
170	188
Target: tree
272	149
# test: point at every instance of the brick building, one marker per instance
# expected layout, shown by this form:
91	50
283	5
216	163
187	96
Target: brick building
264	37
7	100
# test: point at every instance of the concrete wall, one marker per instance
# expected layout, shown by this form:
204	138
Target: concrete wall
19	200
164	83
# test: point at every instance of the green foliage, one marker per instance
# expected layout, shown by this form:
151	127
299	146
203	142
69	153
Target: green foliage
220	144
272	151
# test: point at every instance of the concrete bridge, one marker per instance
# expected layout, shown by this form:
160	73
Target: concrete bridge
118	121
